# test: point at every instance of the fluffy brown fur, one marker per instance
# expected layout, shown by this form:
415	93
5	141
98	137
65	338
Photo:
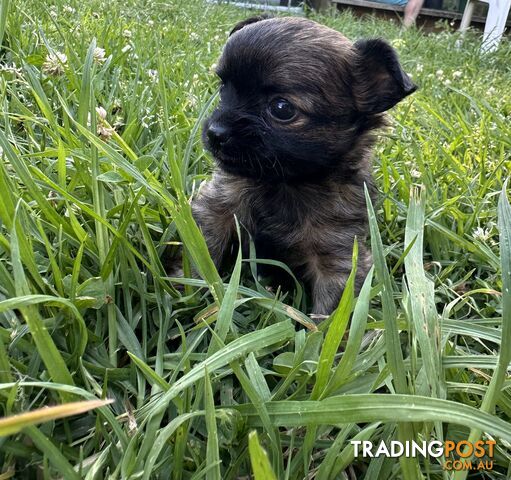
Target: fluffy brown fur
292	139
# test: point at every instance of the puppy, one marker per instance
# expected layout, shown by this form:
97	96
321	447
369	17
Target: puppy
292	140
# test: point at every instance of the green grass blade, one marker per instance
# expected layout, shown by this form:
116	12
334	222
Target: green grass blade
237	349
494	390
163	437
347	455
95	471
46	446
335	332
422	296
85	106
224	318
149	373
28	181
40	96
212	455
363	408
259	459
394	352
4	14
357	330
46	348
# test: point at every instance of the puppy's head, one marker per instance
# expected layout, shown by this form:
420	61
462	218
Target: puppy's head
296	96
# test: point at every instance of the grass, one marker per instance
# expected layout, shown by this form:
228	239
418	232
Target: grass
90	199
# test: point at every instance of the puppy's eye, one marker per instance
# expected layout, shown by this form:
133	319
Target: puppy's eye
282	110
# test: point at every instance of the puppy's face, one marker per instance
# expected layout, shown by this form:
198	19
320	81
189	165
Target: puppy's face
296	96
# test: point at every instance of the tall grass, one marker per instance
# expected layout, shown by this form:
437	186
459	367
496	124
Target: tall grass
100	153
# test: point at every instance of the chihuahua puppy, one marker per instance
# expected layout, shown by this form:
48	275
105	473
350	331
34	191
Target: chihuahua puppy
292	139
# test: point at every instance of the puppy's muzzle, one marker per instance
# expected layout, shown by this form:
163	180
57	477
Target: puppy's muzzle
218	134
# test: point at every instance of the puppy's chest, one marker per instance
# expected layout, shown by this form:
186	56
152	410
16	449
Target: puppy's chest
290	217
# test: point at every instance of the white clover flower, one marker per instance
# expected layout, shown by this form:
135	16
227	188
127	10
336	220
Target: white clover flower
419	67
11	68
194	36
127	33
145	122
69	9
55	63
457	74
482	234
193	100
415	173
150	23
99	55
118	122
398	43
447	82
105	131
440	73
101	113
153	75
490	91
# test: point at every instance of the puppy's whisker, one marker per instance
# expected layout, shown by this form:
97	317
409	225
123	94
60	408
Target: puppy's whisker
260	165
281	168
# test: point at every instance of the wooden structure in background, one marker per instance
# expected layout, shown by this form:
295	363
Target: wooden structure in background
320	5
427	16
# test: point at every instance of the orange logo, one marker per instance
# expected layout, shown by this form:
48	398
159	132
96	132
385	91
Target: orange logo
465	451
461	455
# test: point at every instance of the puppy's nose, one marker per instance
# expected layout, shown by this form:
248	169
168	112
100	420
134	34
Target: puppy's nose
218	134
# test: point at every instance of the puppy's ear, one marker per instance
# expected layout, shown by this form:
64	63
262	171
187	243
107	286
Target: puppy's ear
248	21
380	82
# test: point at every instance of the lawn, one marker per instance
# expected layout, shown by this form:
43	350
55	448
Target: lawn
101	107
